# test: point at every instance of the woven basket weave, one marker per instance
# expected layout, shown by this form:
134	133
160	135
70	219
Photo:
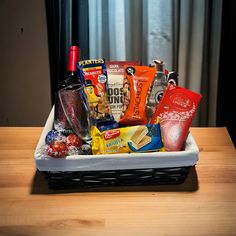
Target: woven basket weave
115	169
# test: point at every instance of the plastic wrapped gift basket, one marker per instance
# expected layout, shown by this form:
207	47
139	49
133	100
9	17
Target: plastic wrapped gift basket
130	169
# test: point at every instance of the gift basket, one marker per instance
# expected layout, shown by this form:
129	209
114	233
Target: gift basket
116	124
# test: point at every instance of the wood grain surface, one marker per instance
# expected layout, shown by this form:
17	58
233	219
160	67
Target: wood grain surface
204	205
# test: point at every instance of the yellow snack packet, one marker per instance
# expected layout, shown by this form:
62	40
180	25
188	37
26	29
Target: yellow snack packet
140	138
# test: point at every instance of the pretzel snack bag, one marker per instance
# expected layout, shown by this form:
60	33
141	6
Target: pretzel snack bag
137	81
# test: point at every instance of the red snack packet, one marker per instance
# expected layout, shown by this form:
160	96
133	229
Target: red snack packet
176	111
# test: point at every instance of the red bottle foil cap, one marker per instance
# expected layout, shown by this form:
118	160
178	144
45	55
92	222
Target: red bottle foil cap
74	56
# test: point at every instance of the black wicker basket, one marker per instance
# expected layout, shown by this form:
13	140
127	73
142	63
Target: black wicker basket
137	177
156	168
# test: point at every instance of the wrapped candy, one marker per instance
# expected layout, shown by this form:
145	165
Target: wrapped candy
86	149
72	150
57	149
51	136
58	145
73	140
54	135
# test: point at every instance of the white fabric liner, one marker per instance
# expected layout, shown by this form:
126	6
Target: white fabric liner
188	157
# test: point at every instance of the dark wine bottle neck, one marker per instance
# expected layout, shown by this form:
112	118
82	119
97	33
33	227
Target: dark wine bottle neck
72	73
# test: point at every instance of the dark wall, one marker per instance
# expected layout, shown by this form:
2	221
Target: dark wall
24	64
227	75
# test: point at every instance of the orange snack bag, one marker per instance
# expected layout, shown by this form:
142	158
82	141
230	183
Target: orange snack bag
137	81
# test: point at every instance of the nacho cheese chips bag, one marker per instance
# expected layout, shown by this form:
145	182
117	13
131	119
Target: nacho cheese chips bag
137	81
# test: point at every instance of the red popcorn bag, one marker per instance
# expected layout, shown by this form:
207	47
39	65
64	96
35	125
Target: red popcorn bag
176	111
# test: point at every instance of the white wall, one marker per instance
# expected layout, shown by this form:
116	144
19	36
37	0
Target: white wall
24	63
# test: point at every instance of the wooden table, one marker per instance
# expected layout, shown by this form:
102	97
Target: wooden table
204	205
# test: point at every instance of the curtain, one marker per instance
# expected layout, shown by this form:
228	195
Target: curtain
67	22
199	50
131	30
226	86
184	34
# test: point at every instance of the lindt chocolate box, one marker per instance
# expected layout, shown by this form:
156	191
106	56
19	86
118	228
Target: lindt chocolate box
176	111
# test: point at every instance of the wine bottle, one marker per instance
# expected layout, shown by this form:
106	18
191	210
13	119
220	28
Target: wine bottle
71	107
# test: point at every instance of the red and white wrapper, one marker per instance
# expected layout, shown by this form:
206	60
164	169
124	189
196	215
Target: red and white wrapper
176	112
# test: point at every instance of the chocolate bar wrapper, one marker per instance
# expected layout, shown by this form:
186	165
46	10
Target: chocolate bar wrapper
140	138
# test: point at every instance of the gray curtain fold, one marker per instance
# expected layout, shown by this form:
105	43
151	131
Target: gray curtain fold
215	21
226	98
67	23
191	45
199	49
183	33
138	30
65	31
